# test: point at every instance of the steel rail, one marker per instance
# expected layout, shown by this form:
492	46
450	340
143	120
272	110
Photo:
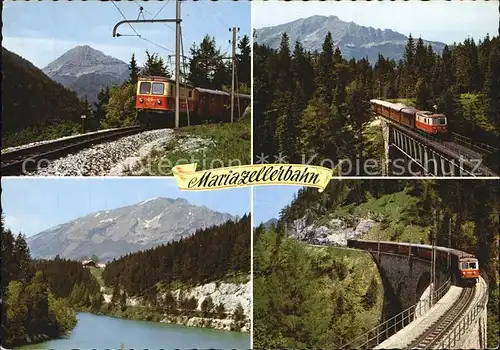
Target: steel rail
23	160
438	329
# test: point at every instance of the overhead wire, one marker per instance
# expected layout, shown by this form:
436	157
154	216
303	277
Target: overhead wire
125	18
215	13
160	46
135	31
149	13
165	4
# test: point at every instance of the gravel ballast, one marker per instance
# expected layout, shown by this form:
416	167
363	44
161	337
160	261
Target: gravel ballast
100	159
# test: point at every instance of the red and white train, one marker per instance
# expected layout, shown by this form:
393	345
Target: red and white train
431	123
155	102
465	266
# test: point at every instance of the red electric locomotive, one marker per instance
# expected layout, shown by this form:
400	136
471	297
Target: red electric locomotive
465	266
431	123
155	102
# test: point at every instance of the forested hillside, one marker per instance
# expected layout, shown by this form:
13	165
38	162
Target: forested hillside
34	107
401	207
38	297
209	254
316	103
308	297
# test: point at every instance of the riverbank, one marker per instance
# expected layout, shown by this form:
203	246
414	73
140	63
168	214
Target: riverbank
104	332
218	305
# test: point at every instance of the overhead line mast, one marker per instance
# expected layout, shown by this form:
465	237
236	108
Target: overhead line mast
177	20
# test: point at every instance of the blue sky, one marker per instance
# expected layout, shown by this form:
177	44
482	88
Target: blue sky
269	200
436	20
42	31
31	205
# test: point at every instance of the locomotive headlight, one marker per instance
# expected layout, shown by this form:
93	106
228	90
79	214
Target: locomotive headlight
159	101
141	100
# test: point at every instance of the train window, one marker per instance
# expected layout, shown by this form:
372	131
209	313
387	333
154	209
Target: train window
158	89
472	265
145	87
171	90
442	121
190	93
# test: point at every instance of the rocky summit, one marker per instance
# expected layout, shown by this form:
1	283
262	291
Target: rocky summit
86	70
353	40
113	233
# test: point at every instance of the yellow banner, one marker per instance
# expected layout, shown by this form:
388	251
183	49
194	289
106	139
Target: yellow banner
251	175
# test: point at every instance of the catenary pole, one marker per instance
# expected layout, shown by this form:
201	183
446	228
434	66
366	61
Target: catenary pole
177	60
177	21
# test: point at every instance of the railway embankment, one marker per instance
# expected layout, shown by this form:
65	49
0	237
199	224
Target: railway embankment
92	154
210	146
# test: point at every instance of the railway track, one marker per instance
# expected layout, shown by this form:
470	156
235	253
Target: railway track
28	159
450	148
439	328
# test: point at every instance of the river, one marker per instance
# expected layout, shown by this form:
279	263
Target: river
101	332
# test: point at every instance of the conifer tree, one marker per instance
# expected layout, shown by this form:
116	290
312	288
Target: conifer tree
22	258
155	66
134	70
123	301
325	78
207	306
244	58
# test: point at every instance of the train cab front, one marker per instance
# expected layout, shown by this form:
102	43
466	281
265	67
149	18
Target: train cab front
468	270
435	124
151	96
439	124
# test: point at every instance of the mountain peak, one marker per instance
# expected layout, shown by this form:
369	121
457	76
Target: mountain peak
87	70
115	232
354	40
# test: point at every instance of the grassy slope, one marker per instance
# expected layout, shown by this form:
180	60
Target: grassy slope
392	212
232	145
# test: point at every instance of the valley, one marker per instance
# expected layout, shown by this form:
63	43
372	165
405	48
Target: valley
318	80
307	276
160	264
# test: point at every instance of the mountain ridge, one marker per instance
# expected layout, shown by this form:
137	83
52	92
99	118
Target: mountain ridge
353	40
86	70
116	232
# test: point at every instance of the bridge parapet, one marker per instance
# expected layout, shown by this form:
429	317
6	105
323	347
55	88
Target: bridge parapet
405	278
383	331
470	331
437	157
